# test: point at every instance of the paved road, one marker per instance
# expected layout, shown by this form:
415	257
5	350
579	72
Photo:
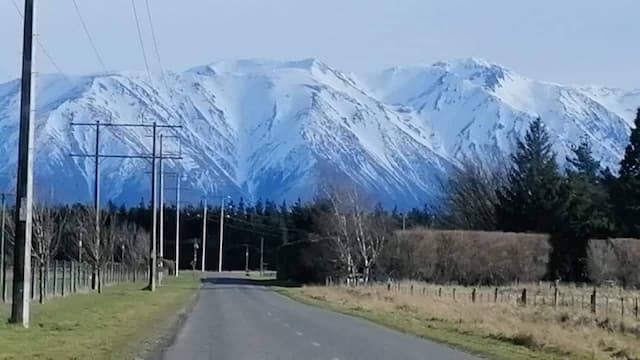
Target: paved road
237	320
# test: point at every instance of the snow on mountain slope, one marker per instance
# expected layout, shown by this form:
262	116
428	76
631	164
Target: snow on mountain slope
279	129
251	128
480	109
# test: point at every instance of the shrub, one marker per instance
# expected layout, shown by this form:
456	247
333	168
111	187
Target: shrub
467	257
614	260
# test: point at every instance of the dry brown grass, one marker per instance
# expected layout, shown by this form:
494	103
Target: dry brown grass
539	331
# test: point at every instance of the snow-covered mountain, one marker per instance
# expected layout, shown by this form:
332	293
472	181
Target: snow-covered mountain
278	130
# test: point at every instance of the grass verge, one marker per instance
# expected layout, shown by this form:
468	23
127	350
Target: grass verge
492	332
111	325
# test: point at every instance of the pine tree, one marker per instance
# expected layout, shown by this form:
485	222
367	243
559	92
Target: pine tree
533	198
626	192
588	214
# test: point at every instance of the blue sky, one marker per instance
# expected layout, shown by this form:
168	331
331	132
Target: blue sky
566	41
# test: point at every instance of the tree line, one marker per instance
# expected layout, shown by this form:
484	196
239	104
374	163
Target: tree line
530	193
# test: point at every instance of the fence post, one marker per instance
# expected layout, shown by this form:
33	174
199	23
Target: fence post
73	277
55	277
523	299
64	275
622	308
555	298
411	289
439	292
594	309
454	294
473	295
33	281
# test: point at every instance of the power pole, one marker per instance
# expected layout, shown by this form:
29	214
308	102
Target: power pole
204	234
178	226
221	234
153	157
153	263
261	256
3	263
96	207
20	306
246	259
161	245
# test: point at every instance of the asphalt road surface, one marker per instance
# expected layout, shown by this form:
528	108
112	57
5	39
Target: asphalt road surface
235	319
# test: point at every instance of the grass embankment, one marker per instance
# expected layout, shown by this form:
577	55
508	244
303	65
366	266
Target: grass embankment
496	331
112	325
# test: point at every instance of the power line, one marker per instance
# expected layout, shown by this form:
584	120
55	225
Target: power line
153	37
144	52
41	44
86	31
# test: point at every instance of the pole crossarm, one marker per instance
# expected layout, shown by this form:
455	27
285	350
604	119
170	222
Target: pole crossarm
126	125
115	156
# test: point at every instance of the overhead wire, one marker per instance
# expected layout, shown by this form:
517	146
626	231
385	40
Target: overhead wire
88	34
141	40
41	45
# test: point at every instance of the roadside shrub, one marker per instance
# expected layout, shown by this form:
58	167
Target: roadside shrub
467	257
614	261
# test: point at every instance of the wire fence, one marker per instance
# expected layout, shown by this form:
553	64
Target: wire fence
611	303
62	278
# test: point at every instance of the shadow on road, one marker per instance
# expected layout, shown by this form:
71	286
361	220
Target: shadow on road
249	282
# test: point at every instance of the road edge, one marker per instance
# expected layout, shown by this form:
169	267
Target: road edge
154	347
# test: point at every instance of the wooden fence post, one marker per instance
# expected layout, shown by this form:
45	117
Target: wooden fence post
411	289
64	273
523	299
622	308
594	295
636	308
473	295
73	277
495	295
454	294
439	292
555	298
55	277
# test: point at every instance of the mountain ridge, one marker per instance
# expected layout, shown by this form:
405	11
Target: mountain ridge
261	128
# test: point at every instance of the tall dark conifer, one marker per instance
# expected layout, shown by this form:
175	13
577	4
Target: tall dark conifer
533	200
626	192
587	217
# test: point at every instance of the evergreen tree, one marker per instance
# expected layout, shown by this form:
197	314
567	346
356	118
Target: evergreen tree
533	198
587	214
626	192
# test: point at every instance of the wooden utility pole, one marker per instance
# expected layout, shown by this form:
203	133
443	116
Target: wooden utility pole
178	225
20	306
204	234
222	203
246	259
3	263
97	283
262	256
161	220
153	157
153	262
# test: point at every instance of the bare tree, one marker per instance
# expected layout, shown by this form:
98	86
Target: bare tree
358	234
49	225
470	195
84	230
